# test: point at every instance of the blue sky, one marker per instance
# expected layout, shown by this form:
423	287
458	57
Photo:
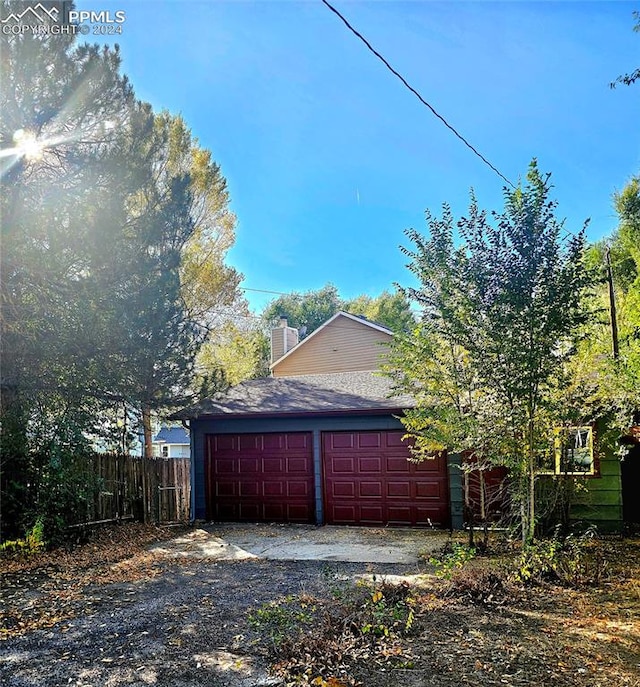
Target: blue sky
329	158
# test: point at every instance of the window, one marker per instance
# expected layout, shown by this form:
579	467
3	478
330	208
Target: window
570	453
573	451
165	451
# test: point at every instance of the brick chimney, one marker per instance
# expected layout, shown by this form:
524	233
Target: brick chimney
283	339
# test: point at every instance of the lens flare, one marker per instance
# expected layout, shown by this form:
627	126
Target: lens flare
27	145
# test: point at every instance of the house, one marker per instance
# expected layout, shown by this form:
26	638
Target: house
317	442
320	441
171	442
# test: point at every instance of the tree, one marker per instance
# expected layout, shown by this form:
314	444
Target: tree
389	309
611	382
501	316
107	213
632	77
61	111
304	311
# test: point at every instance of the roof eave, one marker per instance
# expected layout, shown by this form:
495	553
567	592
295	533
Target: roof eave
297	414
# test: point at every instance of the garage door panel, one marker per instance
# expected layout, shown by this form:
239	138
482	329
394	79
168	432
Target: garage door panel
258	477
399	490
225	443
299	464
297	441
399	514
297	488
370	489
248	489
248	466
273	441
342	440
374	483
343	489
249	442
398	464
373	514
226	488
368	464
342	515
369	440
341	464
223	466
429	490
394	439
272	465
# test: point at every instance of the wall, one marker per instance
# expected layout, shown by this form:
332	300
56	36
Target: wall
345	345
598	499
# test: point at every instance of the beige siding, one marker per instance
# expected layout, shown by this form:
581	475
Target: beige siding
344	345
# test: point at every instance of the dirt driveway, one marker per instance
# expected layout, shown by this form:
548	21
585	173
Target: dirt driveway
175	613
138	606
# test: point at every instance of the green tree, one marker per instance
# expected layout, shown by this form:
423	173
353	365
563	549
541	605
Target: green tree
389	309
304	311
61	111
610	384
501	316
107	213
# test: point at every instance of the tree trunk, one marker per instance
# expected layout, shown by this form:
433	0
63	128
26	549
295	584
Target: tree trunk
146	428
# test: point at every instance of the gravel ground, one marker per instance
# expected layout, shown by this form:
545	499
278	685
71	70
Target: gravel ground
185	626
117	612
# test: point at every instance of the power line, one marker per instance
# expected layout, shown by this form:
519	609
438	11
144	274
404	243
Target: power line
415	92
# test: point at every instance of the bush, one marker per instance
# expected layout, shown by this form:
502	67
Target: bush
454	557
573	561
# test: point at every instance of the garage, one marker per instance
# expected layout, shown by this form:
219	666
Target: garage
265	477
368	480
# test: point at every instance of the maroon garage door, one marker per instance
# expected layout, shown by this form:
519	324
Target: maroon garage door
260	477
369	481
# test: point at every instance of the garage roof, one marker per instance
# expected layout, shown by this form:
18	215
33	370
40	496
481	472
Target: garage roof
324	393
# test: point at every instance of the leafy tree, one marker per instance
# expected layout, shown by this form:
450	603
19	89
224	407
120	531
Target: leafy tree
107	213
61	111
610	384
632	77
238	350
389	309
304	311
501	316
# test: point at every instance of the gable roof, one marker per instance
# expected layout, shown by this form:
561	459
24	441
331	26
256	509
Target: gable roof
340	313
172	435
339	392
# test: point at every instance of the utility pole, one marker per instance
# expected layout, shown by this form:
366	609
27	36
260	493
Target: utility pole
612	306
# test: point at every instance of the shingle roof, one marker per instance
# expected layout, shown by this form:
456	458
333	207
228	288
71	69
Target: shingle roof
172	435
325	393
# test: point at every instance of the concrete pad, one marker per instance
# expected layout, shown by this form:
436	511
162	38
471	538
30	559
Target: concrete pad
201	544
234	541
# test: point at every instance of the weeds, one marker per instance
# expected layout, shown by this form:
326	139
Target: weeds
32	543
573	561
314	642
279	619
455	557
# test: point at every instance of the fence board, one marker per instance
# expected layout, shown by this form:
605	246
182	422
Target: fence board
147	489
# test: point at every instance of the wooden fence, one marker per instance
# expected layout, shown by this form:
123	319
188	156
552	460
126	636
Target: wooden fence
146	489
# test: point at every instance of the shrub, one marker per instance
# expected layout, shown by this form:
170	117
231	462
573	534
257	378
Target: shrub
573	561
454	557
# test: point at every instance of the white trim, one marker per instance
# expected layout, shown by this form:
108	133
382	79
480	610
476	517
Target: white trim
340	313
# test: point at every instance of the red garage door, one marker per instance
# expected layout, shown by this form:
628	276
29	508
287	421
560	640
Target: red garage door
260	477
369	481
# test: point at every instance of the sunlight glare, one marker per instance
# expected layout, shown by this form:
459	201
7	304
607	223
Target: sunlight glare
27	145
